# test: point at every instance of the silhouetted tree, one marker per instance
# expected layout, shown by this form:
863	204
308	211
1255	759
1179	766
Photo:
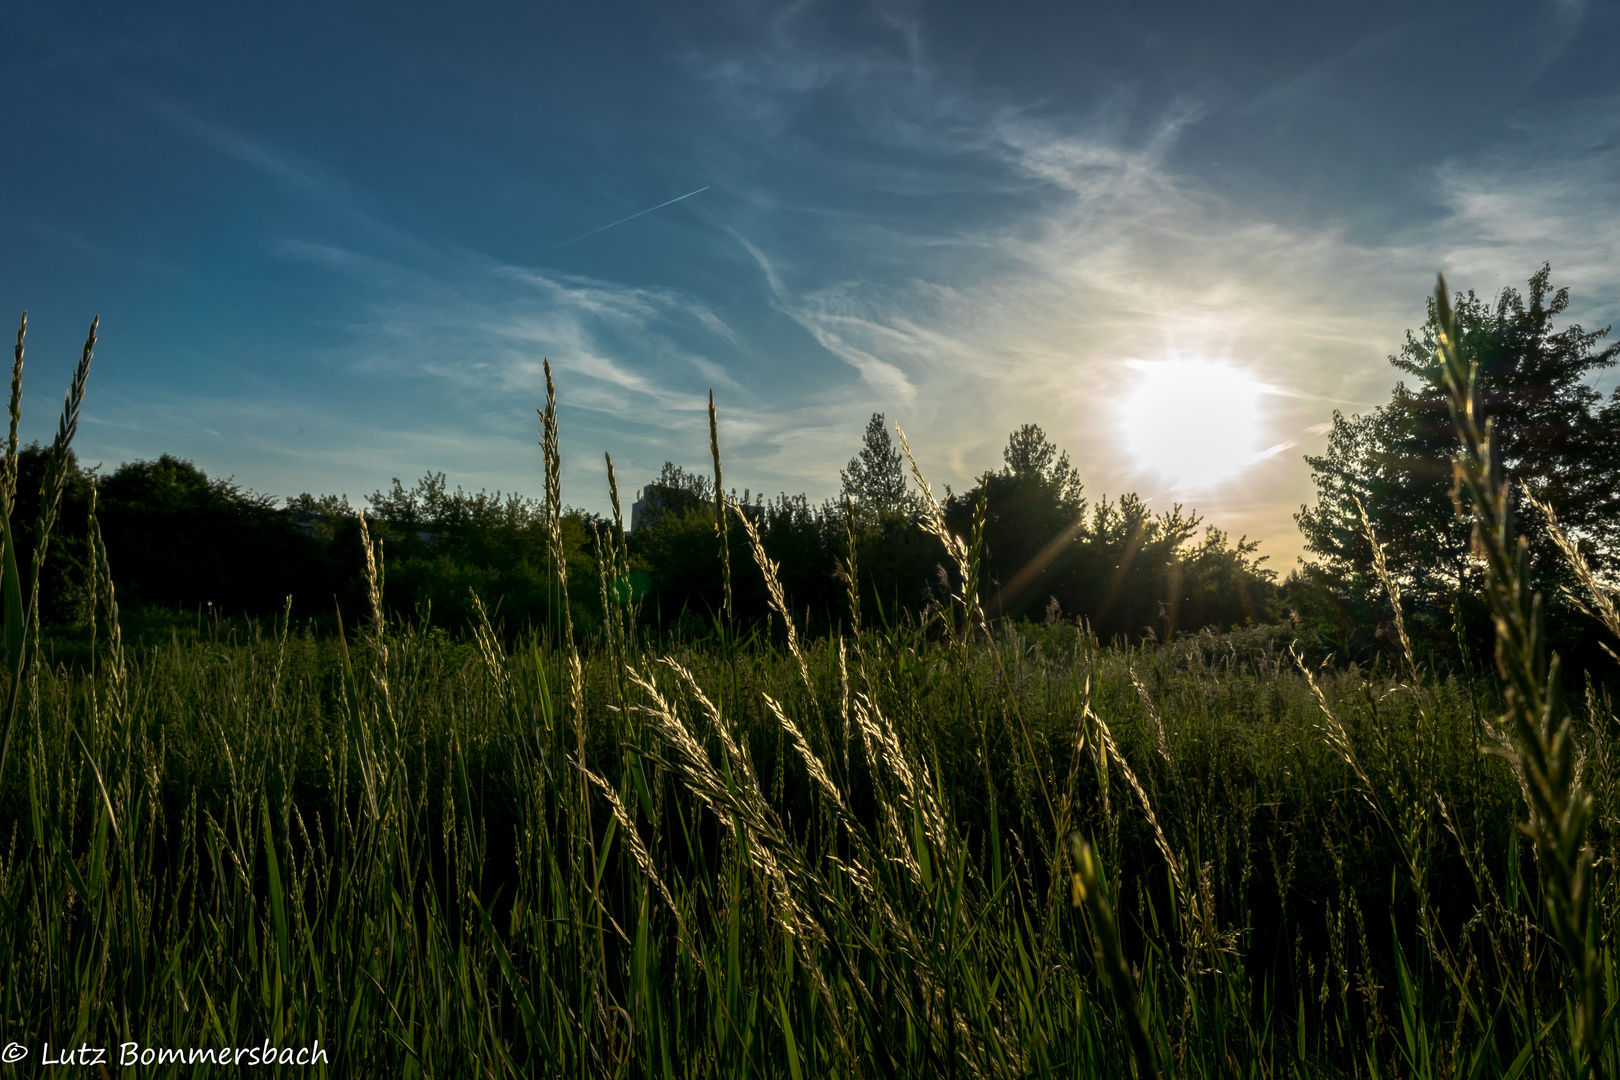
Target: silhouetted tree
1117	564
875	479
1557	437
177	538
1035	511
1031	456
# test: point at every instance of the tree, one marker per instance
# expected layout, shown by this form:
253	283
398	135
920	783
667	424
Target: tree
875	480
1034	511
443	543
1033	458
178	538
1117	564
1558	438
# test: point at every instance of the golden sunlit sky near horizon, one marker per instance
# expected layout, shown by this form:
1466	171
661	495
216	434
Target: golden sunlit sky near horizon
331	246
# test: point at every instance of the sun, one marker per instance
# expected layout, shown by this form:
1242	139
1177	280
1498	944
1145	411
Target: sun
1193	422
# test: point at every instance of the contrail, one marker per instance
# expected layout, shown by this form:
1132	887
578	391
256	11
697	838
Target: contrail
565	243
621	221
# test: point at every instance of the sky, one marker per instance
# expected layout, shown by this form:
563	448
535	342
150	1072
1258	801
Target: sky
331	244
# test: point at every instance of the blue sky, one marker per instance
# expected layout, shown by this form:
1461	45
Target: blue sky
330	243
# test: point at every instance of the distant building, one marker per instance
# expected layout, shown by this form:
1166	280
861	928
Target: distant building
640	514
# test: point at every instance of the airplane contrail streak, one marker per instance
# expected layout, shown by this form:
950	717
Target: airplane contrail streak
565	243
621	221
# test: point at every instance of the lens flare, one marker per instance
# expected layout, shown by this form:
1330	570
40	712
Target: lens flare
1193	422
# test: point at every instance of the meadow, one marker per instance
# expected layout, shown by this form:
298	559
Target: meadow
942	846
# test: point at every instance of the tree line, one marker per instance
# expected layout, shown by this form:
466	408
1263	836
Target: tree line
182	541
1047	553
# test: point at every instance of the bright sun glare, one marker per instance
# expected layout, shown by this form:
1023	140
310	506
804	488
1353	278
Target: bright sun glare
1195	422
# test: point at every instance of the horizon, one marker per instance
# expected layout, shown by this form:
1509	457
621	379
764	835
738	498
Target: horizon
325	258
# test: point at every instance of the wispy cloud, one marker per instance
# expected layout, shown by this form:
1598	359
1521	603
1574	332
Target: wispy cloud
631	364
288	170
1553	195
961	260
834	318
1101	252
1292	89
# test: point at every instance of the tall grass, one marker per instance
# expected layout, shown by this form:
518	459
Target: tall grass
954	848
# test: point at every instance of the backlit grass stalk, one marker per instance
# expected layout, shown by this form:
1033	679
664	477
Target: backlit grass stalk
573	678
1392	589
773	587
967	558
619	549
20	620
1599	603
850	570
8	476
722	527
1543	731
57	464
1090	890
103	592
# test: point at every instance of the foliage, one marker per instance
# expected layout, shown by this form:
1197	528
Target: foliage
1558	440
1123	568
499	910
675	491
185	540
442	546
874	481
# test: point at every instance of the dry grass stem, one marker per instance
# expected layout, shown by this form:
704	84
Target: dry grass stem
773	586
1392	589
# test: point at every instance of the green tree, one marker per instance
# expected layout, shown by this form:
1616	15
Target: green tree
178	538
1557	436
1035	510
1123	568
440	543
1033	458
875	480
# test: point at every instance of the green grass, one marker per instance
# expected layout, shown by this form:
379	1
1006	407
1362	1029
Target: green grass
397	851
